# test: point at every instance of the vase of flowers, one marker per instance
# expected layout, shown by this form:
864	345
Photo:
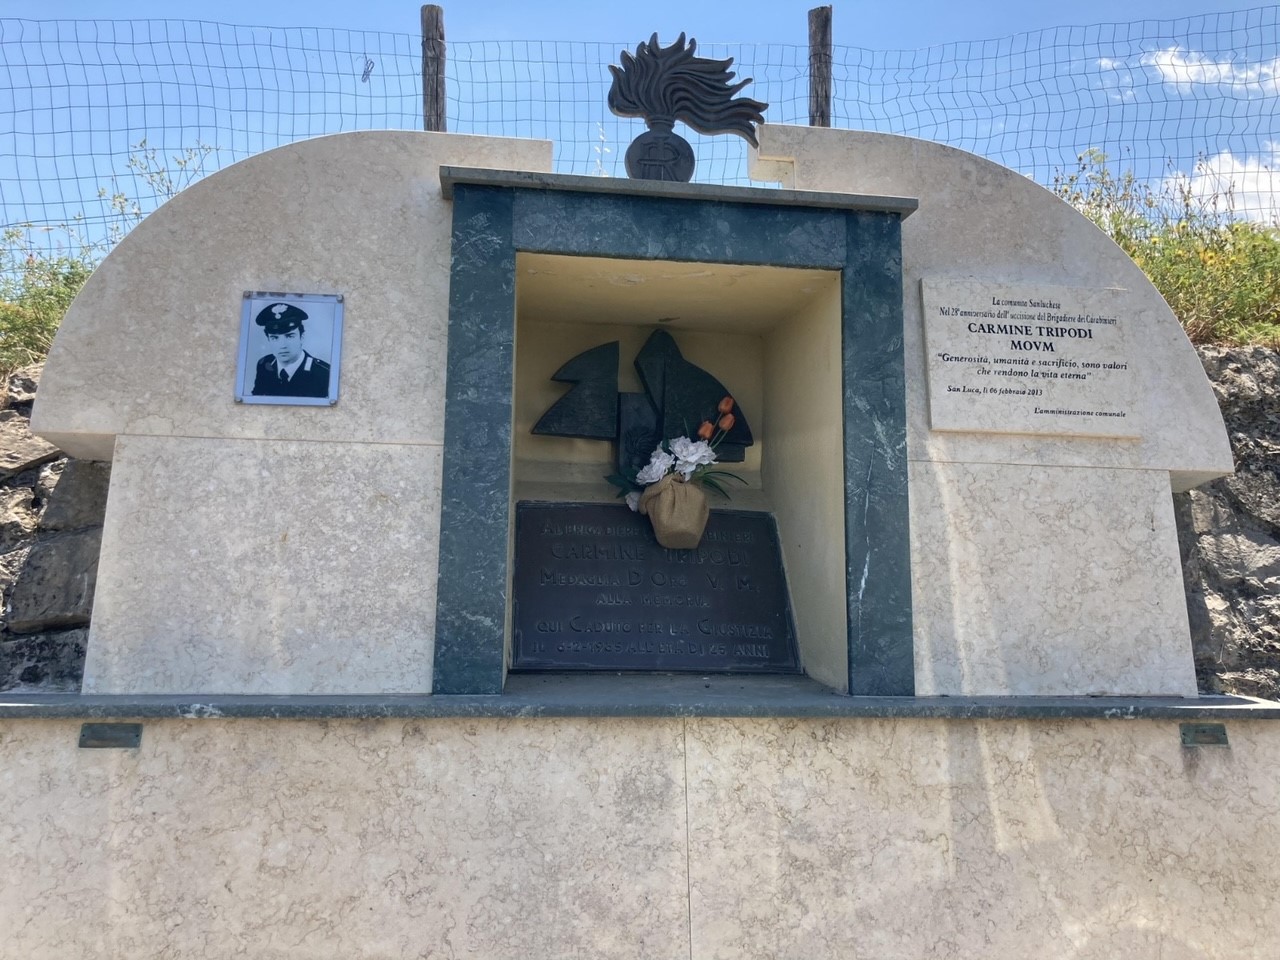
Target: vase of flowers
669	489
678	511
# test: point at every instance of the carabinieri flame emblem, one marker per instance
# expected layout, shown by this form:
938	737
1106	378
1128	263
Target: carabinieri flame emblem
666	84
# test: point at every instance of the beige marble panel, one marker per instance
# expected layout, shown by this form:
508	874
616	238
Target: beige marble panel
982	221
149	347
804	472
317	840
897	840
703	838
246	566
1039	581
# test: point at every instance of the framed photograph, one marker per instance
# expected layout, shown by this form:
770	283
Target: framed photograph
290	348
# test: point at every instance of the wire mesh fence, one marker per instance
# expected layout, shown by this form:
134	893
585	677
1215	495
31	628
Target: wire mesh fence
100	121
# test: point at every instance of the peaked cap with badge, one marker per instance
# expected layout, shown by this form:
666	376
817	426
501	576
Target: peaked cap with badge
278	318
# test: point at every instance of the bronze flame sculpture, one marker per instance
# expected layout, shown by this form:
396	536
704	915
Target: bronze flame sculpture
666	84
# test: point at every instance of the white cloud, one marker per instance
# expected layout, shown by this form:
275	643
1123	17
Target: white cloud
1185	70
1251	185
1117	79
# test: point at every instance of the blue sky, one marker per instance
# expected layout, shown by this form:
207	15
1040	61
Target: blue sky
1186	95
876	24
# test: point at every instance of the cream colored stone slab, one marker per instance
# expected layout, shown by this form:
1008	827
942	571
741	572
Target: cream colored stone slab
898	840
346	840
978	219
1040	581
149	347
1028	359
804	472
241	566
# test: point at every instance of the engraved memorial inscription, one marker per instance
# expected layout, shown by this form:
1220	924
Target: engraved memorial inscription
593	590
1030	358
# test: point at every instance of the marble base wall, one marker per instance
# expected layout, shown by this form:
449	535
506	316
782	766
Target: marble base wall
1046	581
702	838
270	567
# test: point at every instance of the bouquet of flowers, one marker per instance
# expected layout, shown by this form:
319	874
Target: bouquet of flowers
667	488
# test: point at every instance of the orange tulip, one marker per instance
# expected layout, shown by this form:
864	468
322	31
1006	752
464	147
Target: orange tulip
726	405
726	422
705	431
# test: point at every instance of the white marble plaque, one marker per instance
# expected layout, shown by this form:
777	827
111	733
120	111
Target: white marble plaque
1028	358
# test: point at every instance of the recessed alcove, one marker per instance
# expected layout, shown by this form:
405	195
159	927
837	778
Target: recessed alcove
770	334
793	300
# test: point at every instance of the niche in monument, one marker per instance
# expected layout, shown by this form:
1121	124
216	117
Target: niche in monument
616	359
598	587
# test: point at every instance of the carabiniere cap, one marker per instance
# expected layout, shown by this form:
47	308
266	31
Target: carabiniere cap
278	318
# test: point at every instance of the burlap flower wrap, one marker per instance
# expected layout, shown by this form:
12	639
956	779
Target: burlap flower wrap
677	510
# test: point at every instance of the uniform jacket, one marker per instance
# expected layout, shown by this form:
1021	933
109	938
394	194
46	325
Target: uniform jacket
311	379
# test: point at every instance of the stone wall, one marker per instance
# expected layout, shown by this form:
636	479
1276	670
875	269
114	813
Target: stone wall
1230	533
51	511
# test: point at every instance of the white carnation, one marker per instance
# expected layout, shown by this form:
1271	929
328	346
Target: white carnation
691	454
659	466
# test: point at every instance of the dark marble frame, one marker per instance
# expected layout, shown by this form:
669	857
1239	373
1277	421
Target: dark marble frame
492	221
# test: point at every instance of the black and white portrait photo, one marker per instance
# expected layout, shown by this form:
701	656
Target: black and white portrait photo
290	346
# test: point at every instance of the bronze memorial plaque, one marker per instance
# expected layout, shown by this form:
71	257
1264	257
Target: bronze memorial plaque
593	590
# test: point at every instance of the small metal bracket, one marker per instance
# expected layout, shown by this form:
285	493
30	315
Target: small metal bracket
118	736
1204	735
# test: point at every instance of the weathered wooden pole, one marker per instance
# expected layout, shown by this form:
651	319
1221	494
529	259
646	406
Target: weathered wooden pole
820	67
433	94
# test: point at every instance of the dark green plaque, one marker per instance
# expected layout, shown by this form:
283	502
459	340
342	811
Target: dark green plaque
1204	734
593	590
118	736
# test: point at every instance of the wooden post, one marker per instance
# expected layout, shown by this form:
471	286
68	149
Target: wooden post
820	67
433	93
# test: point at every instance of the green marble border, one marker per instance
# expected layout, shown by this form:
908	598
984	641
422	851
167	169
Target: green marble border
492	221
877	548
476	485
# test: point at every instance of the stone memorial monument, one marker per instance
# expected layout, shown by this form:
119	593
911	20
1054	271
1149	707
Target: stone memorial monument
929	689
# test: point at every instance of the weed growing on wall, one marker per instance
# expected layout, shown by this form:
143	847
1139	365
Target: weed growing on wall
1219	273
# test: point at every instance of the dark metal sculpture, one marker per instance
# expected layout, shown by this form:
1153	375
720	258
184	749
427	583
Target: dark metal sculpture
590	408
678	396
666	84
683	394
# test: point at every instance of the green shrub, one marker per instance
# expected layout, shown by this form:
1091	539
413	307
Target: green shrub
1219	273
35	290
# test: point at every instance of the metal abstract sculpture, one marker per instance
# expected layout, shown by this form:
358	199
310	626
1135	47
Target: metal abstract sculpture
590	409
666	84
677	395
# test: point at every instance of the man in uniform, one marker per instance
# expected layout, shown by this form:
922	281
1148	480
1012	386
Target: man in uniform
288	371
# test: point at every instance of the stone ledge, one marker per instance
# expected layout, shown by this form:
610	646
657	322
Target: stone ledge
449	176
610	695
